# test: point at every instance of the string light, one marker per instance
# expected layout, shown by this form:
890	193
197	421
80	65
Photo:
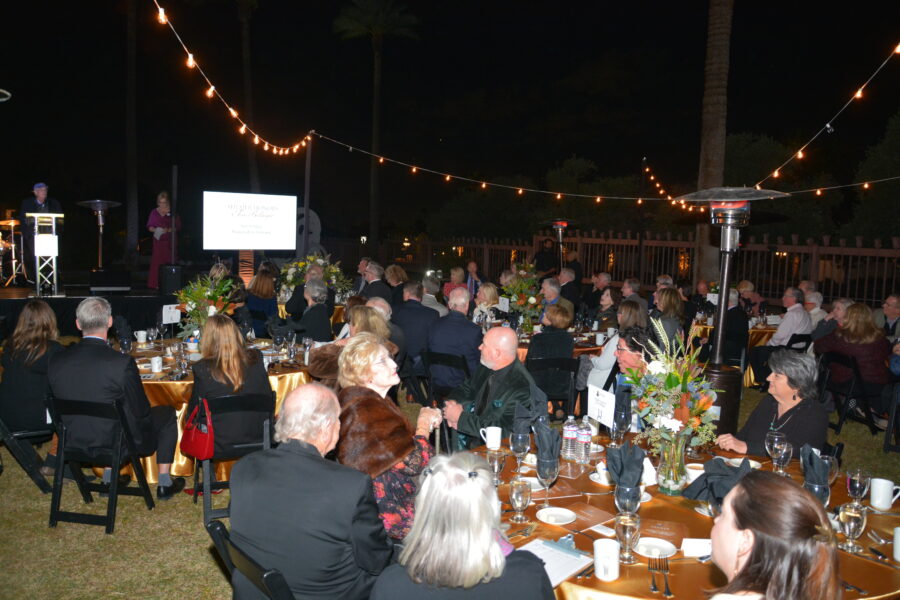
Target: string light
558	196
446	178
597	200
818	192
800	153
858	93
414	169
161	16
483	185
776	174
865	185
243	129
256	139
521	191
190	61
233	112
211	91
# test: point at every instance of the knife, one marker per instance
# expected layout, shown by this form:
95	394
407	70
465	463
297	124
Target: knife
880	555
877	561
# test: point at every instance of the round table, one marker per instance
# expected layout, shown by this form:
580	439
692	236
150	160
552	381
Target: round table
758	336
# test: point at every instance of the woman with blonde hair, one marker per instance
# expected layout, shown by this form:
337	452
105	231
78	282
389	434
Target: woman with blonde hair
375	436
457	279
670	312
261	300
227	368
753	303
487	302
396	277
26	356
457	512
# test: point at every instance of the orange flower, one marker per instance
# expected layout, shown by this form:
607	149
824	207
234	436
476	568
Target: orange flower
682	414
695	422
704	403
642	404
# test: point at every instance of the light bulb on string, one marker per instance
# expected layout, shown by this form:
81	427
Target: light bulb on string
558	196
640	201
296	147
243	129
521	191
858	93
255	139
414	169
190	61
646	169
381	160
776	174
266	146
303	143
161	16
818	192
597	199
866	185
211	91
483	185
446	178
233	112
800	154
652	178
897	49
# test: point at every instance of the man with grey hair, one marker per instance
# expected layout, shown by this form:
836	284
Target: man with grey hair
631	288
360	281
375	287
887	318
431	286
296	305
454	334
93	371
490	396
550	288
795	320
569	288
314	520
414	319
315	322
813	305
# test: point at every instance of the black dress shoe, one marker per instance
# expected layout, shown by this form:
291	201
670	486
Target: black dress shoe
166	492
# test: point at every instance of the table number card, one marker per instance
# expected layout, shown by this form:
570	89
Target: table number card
503	304
601	405
170	314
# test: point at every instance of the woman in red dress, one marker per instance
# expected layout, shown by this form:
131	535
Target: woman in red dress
160	225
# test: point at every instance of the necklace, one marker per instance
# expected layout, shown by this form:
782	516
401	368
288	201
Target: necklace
775	418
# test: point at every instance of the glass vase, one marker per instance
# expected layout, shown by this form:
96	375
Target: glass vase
671	475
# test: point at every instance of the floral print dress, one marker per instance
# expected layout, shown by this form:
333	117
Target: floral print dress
395	489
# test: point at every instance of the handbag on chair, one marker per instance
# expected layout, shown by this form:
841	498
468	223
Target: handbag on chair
198	438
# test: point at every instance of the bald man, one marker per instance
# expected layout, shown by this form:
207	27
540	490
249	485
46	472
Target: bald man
490	396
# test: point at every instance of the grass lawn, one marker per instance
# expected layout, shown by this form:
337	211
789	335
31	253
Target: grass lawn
166	553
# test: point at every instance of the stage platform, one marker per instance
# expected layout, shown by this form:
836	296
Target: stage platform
140	307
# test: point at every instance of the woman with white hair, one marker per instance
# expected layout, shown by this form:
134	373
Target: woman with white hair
457	512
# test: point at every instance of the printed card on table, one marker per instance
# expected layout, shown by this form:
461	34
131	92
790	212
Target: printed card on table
170	314
601	405
503	304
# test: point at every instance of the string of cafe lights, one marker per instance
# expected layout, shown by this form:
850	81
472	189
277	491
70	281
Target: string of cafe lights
661	190
828	127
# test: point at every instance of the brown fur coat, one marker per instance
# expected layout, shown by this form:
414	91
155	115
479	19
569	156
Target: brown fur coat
375	435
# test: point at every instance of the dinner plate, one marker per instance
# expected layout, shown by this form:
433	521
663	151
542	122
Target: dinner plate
556	515
596	448
535	484
530	460
595	477
736	462
646	497
655	548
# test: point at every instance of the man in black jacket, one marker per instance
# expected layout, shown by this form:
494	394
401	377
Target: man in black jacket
313	519
414	319
375	287
40	203
91	370
314	322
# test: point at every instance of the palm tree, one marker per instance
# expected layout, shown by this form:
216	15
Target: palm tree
131	191
375	19
245	11
715	111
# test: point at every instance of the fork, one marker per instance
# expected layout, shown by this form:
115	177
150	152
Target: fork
665	571
651	566
526	532
876	537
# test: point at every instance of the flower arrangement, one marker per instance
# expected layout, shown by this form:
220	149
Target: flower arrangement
713	287
201	299
294	273
523	291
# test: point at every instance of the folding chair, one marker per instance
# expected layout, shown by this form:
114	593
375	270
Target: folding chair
240	403
411	382
893	428
269	581
563	366
19	444
804	339
436	396
853	390
110	454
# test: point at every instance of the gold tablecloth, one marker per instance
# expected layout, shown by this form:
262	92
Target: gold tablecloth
759	336
688	578
336	317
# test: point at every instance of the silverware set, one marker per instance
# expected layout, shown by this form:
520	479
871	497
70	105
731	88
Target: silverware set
876	537
852	588
659	565
525	532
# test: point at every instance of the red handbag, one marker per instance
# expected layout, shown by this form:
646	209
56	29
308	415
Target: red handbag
197	439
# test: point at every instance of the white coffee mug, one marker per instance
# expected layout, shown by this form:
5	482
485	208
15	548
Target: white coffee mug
710	320
694	470
491	437
606	559
601	339
897	544
603	473
156	364
141	336
193	346
883	493
611	332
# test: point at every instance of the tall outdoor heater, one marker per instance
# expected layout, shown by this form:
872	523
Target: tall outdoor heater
559	226
729	208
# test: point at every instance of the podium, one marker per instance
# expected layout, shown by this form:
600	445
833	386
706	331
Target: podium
46	249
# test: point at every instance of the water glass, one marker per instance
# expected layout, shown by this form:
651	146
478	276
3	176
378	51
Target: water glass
821	492
519	445
781	456
547	472
628	532
857	484
621	422
152	332
852	517
496	458
277	345
772	438
307	346
628	499
125	345
519	497
832	467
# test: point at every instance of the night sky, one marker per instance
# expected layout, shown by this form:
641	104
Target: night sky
490	89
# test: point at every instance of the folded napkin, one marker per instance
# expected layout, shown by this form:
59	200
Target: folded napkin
123	329
547	440
649	473
716	481
815	470
526	415
625	464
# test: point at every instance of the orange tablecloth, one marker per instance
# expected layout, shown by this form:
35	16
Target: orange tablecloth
688	578
336	317
580	349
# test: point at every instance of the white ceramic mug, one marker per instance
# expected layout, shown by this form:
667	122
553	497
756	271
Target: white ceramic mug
491	437
141	336
156	364
193	346
897	544
611	332
603	473
601	339
606	559
710	321
694	470
883	493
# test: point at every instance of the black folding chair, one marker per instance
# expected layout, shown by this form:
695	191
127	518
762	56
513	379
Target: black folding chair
436	395
893	428
411	382
845	394
269	581
563	366
19	444
803	339
111	454
239	403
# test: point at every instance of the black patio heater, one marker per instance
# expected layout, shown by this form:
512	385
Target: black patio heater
559	226
729	208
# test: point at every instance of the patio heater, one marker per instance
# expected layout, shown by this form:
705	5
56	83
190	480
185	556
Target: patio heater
559	226
729	208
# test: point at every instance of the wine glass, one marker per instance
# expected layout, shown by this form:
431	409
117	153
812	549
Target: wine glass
125	345
496	459
519	497
781	456
832	467
771	438
151	335
857	484
161	329
519	444
628	499
852	517
821	492
547	472
307	346
278	346
621	422
628	531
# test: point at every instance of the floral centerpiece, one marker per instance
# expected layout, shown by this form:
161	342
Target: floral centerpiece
201	299
524	294
294	273
674	401
713	287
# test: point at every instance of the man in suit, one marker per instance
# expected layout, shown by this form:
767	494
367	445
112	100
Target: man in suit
414	319
474	278
454	334
887	318
429	297
313	519
91	370
296	305
360	281
490	396
550	289
39	203
631	288
736	331
569	288
375	287
314	322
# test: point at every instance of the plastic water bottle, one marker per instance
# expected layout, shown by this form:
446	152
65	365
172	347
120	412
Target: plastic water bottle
570	439
584	442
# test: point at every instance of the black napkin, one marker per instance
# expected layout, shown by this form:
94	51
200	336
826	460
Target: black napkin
815	470
546	439
123	329
717	480
625	464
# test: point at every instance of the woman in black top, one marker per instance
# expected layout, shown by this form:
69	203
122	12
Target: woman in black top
26	357
791	408
226	369
554	341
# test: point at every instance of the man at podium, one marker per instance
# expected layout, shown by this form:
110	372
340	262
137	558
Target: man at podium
40	203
